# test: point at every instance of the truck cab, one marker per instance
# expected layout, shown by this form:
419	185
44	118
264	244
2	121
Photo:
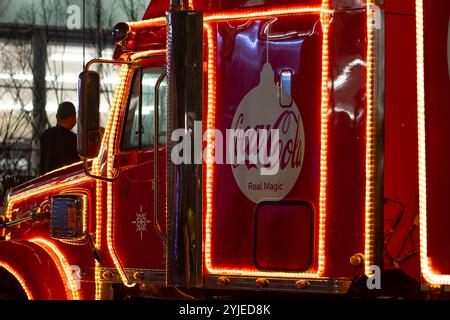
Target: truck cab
161	199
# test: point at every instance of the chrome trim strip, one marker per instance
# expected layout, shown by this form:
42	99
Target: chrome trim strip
148	275
315	285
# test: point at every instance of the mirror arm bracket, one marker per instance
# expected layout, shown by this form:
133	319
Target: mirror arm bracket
109	61
93	176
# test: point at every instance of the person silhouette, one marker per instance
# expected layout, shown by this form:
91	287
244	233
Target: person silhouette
58	143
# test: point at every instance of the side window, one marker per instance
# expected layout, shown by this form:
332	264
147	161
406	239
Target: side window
130	134
149	78
138	131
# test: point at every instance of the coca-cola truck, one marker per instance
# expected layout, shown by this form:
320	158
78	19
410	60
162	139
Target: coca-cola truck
353	99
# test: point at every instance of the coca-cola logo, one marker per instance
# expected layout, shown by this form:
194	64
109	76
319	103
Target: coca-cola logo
259	112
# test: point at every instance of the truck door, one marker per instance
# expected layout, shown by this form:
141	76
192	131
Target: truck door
135	239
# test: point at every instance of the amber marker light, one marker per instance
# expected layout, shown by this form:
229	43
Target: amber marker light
18	277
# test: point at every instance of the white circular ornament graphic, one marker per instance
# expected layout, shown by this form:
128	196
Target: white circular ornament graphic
261	109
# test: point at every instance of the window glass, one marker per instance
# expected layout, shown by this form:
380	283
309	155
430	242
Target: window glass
130	135
162	112
143	117
149	78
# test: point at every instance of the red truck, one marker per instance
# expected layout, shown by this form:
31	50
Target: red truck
356	94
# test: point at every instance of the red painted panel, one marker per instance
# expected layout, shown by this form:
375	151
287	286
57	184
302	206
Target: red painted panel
37	269
399	6
158	8
135	239
346	144
79	255
437	106
284	238
241	51
400	165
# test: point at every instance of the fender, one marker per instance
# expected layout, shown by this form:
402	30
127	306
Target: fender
36	267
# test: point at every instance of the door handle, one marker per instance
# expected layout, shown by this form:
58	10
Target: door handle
155	157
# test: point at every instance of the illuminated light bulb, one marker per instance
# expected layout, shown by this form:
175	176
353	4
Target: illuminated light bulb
325	22
52	186
238	14
147	53
73	242
62	265
253	14
108	144
118	100
110	133
428	273
63	168
18	277
99	208
98	228
210	125
370	147
211	101
149	23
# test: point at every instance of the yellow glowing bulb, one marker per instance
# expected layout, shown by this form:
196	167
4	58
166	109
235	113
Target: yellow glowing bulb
18	277
211	114
147	53
241	14
254	14
62	265
429	275
118	101
370	147
149	23
52	186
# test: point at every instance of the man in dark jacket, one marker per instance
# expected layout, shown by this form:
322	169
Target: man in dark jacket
59	144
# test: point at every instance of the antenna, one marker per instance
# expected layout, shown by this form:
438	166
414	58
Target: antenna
267	42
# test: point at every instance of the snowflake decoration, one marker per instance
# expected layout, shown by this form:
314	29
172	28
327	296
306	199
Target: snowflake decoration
141	221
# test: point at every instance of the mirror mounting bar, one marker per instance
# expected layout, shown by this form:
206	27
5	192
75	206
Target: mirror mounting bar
109	61
93	176
85	160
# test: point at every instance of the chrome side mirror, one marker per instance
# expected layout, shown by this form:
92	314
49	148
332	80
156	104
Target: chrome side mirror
88	114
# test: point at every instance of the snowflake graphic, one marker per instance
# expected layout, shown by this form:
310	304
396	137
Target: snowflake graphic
141	221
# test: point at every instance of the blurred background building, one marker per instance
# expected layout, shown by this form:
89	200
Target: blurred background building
41	55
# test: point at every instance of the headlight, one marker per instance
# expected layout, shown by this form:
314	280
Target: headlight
68	216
